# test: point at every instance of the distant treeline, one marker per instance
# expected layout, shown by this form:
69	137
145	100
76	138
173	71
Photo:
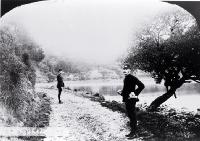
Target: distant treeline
74	70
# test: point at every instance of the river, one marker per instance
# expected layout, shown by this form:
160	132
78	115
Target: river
188	95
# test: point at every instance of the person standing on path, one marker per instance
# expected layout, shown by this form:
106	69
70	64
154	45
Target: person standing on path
60	84
130	94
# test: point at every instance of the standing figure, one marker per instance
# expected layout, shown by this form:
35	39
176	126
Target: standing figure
60	84
130	94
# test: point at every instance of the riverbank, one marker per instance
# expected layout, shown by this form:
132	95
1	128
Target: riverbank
165	124
187	97
87	116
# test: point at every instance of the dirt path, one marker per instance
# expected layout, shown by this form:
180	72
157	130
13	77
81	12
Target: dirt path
79	119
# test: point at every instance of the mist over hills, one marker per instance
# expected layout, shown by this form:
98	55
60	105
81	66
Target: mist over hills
76	70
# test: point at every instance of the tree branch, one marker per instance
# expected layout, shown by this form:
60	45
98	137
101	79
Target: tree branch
198	81
194	78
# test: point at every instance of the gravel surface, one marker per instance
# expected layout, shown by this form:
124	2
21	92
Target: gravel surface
79	119
76	119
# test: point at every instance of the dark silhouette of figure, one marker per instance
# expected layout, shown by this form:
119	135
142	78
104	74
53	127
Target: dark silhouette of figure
60	84
130	94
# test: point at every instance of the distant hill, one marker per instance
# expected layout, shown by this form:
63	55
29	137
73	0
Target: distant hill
73	70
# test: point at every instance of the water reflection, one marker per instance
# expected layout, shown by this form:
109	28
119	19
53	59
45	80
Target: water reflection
188	94
112	89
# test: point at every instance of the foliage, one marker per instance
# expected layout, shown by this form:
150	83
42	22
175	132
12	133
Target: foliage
18	73
167	50
75	70
52	64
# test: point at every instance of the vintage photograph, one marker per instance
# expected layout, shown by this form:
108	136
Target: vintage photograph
99	70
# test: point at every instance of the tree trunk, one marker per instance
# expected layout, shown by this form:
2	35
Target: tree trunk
161	99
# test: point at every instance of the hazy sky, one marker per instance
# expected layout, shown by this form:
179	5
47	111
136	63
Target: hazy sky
88	30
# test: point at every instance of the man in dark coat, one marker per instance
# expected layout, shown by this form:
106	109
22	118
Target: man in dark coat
60	84
130	94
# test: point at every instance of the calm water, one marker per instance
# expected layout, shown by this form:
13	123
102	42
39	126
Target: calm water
188	95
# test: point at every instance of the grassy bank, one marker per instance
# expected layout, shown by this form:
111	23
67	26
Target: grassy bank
164	124
33	114
42	114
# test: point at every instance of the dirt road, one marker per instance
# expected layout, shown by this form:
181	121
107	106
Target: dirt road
76	119
79	119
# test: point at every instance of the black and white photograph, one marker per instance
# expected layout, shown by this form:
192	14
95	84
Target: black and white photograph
99	70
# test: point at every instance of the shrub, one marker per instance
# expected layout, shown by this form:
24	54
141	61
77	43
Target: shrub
18	76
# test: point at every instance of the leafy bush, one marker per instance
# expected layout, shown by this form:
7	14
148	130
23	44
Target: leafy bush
18	75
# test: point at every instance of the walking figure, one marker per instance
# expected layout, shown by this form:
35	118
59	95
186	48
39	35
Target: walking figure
130	94
60	84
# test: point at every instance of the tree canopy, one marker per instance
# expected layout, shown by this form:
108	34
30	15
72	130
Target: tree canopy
168	49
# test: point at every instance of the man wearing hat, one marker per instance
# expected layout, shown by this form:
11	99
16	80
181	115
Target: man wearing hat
130	94
60	84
